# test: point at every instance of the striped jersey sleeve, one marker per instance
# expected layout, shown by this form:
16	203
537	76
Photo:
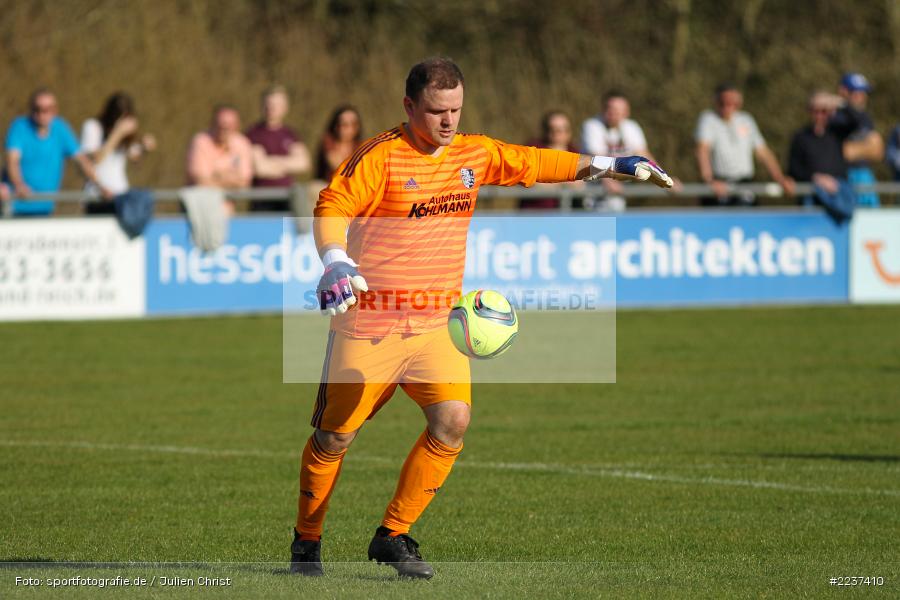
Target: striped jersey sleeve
508	164
356	187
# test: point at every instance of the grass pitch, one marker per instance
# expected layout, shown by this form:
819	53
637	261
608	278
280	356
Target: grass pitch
742	453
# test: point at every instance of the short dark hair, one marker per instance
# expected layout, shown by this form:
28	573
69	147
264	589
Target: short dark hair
726	86
439	71
613	94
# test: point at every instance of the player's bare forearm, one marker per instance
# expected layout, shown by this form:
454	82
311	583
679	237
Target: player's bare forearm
584	167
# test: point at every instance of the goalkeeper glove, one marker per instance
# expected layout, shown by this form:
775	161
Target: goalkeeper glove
339	284
628	168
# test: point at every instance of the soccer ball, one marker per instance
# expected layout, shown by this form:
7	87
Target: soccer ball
483	324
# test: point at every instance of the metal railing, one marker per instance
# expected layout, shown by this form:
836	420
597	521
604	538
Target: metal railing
566	193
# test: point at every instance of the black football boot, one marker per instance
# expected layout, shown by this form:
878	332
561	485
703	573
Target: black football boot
306	557
400	552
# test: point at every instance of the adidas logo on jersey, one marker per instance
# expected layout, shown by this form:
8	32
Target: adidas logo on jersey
411	184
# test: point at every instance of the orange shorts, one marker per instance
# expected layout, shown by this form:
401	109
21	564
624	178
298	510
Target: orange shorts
360	375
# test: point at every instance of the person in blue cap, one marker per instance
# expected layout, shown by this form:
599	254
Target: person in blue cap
865	145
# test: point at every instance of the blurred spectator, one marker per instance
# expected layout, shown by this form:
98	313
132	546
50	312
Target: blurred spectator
614	133
727	140
865	145
817	154
556	134
110	141
279	154
221	157
5	196
342	136
893	152
37	146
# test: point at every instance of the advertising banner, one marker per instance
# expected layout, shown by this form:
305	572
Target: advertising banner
69	269
695	258
664	258
875	256
636	259
246	274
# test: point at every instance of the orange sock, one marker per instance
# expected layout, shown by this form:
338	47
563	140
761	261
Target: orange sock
423	474
319	470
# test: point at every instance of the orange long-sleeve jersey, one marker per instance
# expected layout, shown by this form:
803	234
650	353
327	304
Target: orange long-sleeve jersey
404	216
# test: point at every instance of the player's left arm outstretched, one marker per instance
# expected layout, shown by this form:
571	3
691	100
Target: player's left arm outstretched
508	164
512	164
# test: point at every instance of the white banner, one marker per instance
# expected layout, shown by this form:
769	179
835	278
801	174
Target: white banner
875	256
70	269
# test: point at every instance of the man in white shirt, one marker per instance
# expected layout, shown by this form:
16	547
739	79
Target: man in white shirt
613	133
727	141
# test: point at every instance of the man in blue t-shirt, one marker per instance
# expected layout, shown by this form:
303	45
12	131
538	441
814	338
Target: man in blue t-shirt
37	146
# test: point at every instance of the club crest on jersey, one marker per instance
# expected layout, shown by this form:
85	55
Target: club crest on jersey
468	177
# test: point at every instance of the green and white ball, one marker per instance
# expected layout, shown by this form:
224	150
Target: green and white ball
483	324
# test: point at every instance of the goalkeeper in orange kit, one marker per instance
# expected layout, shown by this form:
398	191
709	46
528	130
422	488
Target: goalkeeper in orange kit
400	206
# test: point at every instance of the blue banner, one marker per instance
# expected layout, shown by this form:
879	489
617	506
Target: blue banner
724	258
666	258
244	275
556	262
